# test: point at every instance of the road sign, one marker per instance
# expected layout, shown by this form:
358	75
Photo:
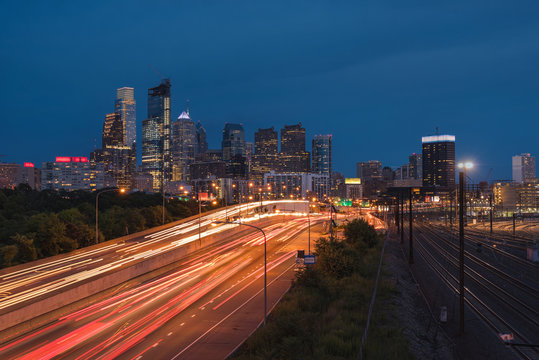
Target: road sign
309	259
506	337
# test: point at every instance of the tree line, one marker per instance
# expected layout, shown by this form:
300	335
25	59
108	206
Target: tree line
37	224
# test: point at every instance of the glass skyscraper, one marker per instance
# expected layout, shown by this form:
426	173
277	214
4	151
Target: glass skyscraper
233	146
156	135
125	106
321	158
184	146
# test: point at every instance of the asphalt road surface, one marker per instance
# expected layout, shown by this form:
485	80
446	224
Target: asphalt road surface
203	309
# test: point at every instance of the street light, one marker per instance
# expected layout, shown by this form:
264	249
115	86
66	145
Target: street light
265	262
462	199
122	190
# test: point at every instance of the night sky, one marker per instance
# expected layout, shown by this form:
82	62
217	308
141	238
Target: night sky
377	75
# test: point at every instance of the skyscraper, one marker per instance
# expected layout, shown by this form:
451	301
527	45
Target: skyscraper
113	134
266	141
117	158
523	167
233	141
439	161
266	153
321	162
201	138
184	146
125	106
415	166
156	139
369	171
294	158
233	146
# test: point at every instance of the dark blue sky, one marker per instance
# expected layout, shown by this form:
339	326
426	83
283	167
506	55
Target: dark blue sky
377	75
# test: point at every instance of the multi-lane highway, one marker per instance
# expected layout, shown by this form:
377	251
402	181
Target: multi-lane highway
203	308
29	282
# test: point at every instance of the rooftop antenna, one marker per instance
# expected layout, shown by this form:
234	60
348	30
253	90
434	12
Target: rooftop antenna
437	131
187	107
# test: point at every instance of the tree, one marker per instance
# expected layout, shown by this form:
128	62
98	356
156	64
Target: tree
26	249
359	233
7	254
50	233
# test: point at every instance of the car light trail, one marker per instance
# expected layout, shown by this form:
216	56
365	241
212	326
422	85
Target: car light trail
118	323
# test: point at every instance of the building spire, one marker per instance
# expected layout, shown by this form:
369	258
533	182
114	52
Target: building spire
187	107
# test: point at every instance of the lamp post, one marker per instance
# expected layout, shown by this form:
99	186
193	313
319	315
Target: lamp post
260	195
490	201
122	190
402	217
265	263
462	200
411	256
199	215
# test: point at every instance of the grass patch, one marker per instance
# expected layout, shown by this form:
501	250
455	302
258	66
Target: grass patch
324	314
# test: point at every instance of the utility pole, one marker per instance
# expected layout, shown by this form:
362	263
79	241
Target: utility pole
514	223
451	209
411	257
397	213
461	250
199	215
490	200
331	221
402	217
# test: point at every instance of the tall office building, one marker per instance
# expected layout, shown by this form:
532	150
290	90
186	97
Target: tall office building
112	130
294	158
118	159
125	106
201	138
266	142
415	166
233	141
523	168
233	146
184	146
438	160
321	153
266	154
156	139
369	171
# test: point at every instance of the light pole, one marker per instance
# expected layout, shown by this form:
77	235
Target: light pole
462	200
490	200
199	215
122	190
411	256
260	195
265	263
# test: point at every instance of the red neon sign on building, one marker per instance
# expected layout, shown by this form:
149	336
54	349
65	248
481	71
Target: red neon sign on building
71	159
28	164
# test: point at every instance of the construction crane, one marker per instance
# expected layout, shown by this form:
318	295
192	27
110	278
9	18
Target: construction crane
488	175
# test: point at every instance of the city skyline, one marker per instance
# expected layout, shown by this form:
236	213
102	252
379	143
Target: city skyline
284	88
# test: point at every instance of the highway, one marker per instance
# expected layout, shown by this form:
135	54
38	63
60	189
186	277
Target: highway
213	297
41	278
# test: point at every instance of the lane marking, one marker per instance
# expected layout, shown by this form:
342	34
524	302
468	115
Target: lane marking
229	315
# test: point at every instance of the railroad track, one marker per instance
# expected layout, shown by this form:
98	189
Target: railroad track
505	302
